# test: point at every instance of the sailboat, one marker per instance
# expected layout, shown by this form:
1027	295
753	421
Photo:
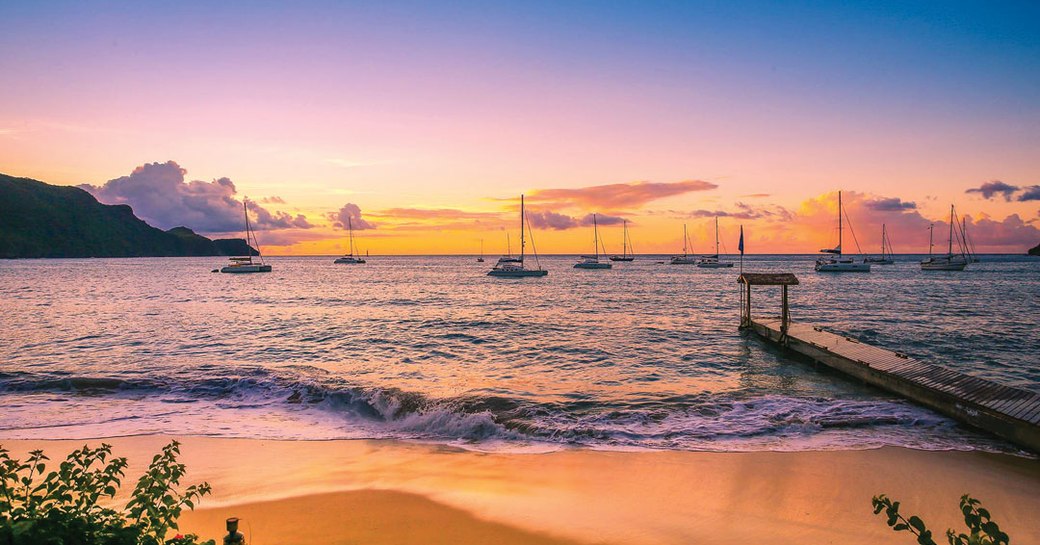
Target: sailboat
481	258
836	262
950	261
886	250
592	261
712	261
626	243
247	264
684	258
350	258
513	267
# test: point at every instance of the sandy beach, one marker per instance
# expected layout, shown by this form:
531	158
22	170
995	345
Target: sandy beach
341	492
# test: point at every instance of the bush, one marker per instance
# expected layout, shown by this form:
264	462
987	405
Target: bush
63	507
982	530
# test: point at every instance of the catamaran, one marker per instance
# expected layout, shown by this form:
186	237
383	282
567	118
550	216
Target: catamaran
835	262
684	258
351	258
950	261
592	261
712	261
513	267
886	252
247	264
626	243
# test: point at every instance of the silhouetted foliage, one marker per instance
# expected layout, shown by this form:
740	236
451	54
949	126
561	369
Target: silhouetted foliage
981	528
64	506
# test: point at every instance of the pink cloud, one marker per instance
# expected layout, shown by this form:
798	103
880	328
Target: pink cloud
615	196
159	194
349	215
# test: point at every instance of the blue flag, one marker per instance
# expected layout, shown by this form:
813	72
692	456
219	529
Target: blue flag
740	245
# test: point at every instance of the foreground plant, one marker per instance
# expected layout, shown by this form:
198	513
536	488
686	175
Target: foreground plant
64	506
982	530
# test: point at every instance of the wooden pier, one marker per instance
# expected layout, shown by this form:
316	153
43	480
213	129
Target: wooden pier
1011	413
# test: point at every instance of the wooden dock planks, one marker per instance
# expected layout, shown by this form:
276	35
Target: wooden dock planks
1012	413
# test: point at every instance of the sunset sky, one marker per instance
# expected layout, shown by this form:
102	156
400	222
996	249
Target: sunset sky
425	121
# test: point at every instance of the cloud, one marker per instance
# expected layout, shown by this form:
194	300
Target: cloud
159	194
602	219
277	220
551	220
757	195
352	213
615	196
990	189
272	200
743	211
1031	193
891	204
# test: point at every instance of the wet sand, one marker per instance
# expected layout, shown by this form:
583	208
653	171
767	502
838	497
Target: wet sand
377	492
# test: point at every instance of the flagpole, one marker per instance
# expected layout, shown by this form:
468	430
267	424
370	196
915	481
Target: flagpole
740	246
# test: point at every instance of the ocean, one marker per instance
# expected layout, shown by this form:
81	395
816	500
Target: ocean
643	356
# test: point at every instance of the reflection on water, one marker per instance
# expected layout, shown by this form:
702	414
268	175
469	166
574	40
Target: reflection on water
643	355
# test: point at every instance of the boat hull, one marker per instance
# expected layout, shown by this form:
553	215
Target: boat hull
240	269
619	258
842	267
943	266
715	265
592	265
879	261
517	274
683	261
349	261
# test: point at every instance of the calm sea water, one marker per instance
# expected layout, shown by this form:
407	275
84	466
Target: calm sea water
646	355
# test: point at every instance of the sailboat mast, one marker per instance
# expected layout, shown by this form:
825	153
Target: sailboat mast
245	212
839	222
684	239
522	242
624	238
595	236
350	230
884	236
716	236
950	240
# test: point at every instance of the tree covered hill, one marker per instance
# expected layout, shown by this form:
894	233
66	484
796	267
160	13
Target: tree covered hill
43	220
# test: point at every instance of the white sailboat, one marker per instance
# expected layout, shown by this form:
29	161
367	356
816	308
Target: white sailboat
247	264
481	258
351	258
592	261
626	244
712	261
684	258
513	267
950	261
835	262
886	250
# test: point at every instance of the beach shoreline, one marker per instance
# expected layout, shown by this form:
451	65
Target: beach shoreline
364	491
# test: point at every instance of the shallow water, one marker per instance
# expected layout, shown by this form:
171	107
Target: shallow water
645	355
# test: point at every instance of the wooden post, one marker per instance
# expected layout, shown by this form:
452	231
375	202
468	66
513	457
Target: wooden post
747	312
784	315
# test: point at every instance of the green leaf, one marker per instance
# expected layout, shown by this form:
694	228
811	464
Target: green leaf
917	523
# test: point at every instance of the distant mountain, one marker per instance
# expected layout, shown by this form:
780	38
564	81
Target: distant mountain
43	220
1035	251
